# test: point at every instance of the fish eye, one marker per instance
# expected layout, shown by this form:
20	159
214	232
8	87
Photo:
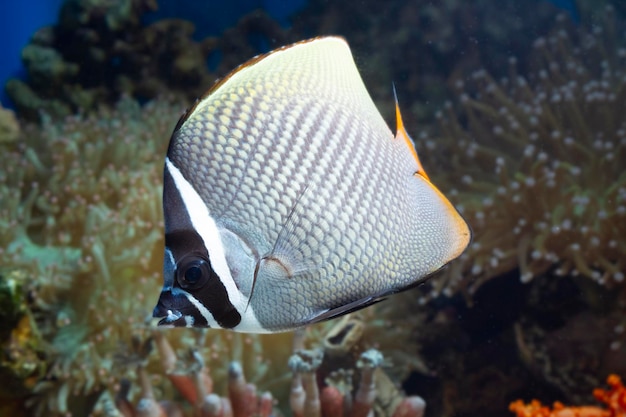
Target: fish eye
192	272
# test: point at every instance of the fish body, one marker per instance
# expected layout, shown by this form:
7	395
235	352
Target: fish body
288	200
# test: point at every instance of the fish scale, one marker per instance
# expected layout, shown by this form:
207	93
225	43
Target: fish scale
311	206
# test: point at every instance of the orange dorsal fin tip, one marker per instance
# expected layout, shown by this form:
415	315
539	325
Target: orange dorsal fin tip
402	134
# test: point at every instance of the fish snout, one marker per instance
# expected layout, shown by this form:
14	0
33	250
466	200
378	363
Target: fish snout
170	308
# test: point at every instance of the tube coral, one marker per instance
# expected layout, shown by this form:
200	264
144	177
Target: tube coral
310	394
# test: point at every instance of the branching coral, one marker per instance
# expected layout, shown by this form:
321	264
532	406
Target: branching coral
544	186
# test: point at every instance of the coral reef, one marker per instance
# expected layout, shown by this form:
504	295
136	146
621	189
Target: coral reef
20	360
77	63
80	226
570	334
541	146
375	393
542	155
194	384
81	223
614	399
99	51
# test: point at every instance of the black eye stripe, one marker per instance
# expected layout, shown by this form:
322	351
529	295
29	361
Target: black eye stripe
180	236
183	242
182	239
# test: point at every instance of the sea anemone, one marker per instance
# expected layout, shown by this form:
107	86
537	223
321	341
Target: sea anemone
80	218
544	186
81	221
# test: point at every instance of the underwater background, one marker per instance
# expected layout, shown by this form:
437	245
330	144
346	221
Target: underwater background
518	112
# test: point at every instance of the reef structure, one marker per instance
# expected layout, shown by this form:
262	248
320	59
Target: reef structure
81	246
535	161
80	227
9	127
99	51
80	222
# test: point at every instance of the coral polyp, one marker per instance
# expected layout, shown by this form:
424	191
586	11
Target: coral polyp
544	185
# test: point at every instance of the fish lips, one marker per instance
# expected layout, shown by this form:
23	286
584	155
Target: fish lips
173	310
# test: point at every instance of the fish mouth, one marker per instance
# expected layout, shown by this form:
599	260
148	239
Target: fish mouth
168	316
175	310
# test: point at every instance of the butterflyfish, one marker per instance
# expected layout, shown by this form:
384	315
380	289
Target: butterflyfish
288	200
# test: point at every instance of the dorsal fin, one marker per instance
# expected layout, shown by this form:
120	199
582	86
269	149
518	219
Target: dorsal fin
402	134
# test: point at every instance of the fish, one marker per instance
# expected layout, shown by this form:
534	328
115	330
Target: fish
288	200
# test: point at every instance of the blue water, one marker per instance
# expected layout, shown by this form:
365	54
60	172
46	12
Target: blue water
18	21
212	17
